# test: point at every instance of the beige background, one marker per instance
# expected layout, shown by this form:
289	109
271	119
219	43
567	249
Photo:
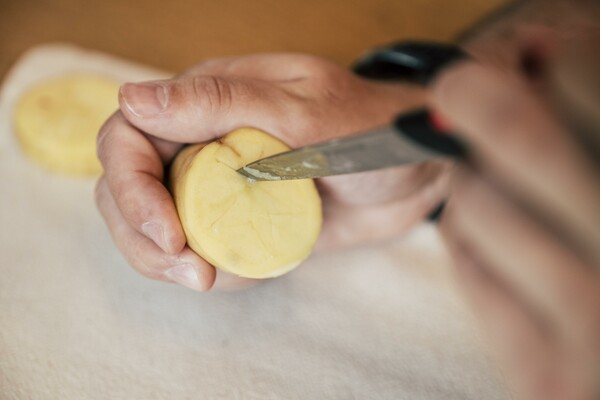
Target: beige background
176	34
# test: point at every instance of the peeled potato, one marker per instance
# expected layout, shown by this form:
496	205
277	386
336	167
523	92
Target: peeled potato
57	121
248	228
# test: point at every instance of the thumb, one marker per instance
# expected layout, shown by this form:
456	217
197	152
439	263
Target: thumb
199	108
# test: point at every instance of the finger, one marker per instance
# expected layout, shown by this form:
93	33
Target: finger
203	107
526	354
534	263
133	171
185	267
516	140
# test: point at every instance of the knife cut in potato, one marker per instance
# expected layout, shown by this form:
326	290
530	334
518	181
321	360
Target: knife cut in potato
56	122
244	227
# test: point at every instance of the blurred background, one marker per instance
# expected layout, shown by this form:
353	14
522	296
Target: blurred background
176	34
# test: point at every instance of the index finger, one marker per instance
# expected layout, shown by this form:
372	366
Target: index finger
133	169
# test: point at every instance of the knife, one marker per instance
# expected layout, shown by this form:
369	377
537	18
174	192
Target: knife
413	137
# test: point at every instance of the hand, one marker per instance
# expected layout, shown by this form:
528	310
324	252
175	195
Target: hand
298	98
524	248
523	226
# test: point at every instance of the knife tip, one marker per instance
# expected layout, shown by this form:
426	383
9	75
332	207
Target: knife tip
257	175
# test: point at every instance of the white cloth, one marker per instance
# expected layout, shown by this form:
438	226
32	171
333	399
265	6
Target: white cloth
378	322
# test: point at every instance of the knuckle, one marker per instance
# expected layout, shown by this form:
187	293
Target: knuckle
134	212
137	258
315	66
142	198
336	90
134	248
212	94
149	260
161	203
105	136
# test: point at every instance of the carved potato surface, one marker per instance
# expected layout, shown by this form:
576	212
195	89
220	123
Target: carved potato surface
248	228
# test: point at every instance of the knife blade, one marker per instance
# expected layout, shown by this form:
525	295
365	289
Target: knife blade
412	138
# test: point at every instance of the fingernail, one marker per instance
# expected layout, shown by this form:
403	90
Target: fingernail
144	99
185	275
156	233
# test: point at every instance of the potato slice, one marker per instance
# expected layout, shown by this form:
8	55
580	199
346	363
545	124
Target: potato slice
57	121
248	228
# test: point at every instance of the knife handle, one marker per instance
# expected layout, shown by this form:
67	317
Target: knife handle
426	129
417	62
411	61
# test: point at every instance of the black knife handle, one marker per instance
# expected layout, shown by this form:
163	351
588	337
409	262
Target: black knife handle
421	127
412	61
417	62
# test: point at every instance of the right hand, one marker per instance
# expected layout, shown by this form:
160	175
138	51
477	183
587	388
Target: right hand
300	99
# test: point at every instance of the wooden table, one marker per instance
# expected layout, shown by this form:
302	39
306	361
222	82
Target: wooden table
176	34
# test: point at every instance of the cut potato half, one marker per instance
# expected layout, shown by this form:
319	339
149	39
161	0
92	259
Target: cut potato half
248	228
57	122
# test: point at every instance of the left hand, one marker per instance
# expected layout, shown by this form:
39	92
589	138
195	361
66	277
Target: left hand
523	226
301	99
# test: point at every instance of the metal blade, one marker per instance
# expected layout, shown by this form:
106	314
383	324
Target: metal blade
381	148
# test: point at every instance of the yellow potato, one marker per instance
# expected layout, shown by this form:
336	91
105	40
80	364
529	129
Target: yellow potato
248	228
57	121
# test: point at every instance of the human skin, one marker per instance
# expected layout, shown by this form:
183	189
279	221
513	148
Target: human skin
522	220
298	98
522	226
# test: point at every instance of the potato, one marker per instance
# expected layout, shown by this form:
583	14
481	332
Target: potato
247	228
56	122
